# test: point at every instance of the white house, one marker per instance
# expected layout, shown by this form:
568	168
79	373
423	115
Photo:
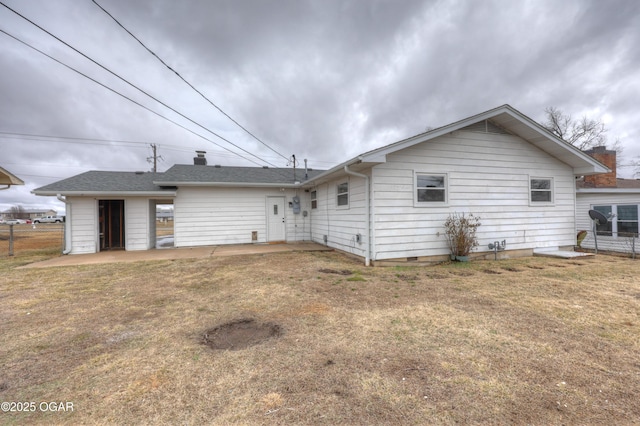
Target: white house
618	199
385	205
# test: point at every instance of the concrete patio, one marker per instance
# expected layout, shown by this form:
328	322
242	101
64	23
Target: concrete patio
175	253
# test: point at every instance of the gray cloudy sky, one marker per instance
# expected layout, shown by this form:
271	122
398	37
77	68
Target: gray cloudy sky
322	79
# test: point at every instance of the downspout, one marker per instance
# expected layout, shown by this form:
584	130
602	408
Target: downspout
67	225
367	258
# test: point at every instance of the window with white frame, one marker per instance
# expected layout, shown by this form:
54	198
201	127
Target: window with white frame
605	228
343	194
541	190
430	188
314	199
627	220
623	220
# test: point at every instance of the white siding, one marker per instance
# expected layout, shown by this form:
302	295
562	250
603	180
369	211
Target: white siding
298	226
137	232
214	216
139	224
341	224
84	225
585	202
488	175
152	223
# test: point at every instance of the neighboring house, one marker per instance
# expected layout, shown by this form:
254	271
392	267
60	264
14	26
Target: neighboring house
164	214
28	214
618	199
7	179
388	204
34	214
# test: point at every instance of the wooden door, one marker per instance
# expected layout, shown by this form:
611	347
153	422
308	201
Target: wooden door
111	218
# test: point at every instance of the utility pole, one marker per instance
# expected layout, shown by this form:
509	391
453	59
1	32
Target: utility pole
294	168
154	158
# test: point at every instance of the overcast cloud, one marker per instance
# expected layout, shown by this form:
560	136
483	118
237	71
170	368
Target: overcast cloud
324	80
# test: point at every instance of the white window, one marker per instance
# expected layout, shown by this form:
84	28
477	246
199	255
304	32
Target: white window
541	191
605	228
343	194
314	199
627	220
430	189
623	220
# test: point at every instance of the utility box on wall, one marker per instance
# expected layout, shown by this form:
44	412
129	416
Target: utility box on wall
296	205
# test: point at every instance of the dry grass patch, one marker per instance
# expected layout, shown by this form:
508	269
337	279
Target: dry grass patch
542	342
31	238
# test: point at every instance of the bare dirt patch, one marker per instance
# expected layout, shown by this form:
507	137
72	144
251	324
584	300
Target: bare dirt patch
344	272
512	269
462	273
240	334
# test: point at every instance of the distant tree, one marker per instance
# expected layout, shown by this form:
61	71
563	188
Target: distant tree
636	167
584	133
18	212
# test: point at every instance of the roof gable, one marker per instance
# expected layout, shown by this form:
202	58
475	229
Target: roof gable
510	121
7	178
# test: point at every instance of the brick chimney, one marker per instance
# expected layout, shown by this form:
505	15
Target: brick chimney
608	158
200	159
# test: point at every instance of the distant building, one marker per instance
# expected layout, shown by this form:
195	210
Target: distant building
164	214
27	214
616	198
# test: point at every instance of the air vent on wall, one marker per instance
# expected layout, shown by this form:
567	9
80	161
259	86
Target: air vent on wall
486	126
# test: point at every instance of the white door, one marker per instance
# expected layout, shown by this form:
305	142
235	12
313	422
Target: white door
276	227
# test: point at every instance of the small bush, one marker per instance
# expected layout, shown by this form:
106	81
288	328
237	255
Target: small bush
461	233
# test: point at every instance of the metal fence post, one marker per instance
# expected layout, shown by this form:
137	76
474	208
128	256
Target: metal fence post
10	240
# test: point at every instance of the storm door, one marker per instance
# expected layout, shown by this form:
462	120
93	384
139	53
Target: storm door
111	217
276	226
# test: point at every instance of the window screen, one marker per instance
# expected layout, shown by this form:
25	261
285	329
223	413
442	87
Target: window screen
627	220
541	191
430	188
343	194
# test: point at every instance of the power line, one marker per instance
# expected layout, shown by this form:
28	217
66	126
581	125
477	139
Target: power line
71	137
78	142
186	82
124	96
130	84
96	141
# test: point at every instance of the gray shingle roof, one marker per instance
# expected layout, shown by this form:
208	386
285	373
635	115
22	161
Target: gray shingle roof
181	173
124	182
99	181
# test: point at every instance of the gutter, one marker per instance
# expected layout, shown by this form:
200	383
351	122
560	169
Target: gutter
160	194
233	184
67	228
367	258
608	190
